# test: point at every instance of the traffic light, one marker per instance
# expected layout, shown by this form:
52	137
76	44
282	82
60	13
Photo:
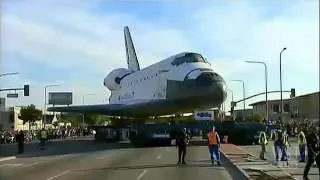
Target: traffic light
26	90
293	93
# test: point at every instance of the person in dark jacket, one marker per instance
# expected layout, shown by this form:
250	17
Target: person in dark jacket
20	140
313	151
181	143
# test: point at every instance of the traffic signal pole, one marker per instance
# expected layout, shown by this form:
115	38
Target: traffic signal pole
25	89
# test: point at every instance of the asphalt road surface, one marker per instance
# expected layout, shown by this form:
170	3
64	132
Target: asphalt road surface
94	161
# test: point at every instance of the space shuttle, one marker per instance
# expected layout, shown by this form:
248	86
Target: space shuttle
182	83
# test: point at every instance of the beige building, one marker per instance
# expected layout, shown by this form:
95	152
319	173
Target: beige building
10	120
297	108
243	113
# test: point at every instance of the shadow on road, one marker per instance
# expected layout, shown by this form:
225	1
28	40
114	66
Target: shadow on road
150	166
60	148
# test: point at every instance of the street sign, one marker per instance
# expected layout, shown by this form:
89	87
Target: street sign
60	98
204	115
12	95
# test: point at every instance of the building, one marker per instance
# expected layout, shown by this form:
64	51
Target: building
10	120
297	108
243	113
2	104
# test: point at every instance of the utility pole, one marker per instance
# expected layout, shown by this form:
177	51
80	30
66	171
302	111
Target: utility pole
83	104
44	119
281	108
266	86
244	97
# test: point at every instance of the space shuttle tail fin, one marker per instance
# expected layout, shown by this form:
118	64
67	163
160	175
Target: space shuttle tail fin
132	60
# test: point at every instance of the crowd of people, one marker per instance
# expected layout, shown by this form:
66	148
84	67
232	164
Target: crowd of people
307	137
10	137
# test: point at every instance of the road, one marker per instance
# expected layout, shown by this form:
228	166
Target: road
111	161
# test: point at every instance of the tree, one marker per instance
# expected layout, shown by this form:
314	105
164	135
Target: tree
30	114
74	118
257	118
94	119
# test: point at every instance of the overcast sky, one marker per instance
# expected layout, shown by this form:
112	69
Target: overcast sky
78	42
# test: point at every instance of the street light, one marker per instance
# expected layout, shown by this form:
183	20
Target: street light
45	101
7	74
266	81
281	109
231	94
83	104
244	95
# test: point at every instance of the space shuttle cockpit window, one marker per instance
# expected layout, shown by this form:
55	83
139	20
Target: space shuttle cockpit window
188	58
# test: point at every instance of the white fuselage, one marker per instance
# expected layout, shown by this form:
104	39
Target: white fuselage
150	83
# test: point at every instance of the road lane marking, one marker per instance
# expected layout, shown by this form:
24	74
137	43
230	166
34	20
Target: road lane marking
106	156
142	174
1	165
32	164
7	158
159	157
61	174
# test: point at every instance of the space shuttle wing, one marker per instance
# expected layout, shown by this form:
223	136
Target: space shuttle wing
108	109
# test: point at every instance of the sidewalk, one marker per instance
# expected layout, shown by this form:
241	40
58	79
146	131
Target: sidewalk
252	167
295	168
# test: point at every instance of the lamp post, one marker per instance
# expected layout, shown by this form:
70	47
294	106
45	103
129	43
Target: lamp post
281	108
45	101
231	94
244	95
83	104
266	83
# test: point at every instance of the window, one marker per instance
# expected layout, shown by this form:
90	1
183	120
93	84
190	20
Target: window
276	108
286	108
188	58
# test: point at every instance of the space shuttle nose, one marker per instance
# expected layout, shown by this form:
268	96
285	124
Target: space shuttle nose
214	85
220	91
205	78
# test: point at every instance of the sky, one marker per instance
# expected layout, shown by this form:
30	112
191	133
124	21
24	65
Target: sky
76	43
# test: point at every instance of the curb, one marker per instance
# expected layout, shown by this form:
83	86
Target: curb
236	168
8	158
244	174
